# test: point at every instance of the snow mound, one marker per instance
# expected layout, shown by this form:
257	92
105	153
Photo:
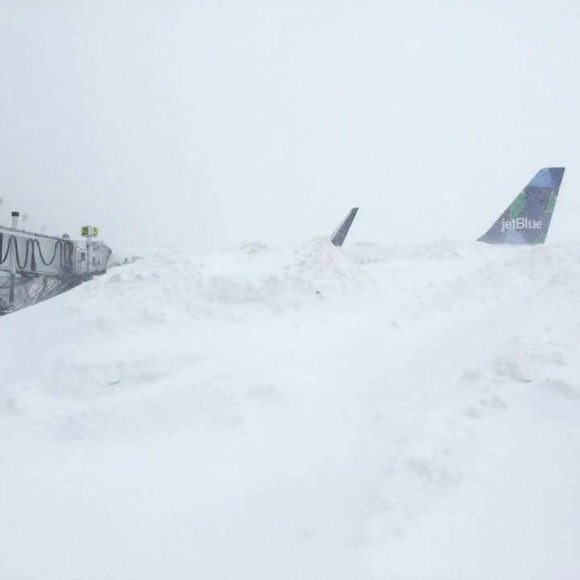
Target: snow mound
298	412
252	275
146	324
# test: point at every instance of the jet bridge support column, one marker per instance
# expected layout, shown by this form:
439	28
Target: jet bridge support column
15	216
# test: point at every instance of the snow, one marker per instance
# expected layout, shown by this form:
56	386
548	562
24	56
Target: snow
298	412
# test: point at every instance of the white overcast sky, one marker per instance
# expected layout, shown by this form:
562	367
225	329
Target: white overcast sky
215	122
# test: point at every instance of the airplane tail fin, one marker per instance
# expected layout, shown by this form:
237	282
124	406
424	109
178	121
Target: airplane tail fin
527	219
341	231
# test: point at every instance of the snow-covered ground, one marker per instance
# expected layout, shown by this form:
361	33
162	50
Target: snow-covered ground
298	413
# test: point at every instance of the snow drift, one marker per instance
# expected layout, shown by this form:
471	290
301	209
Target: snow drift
301	412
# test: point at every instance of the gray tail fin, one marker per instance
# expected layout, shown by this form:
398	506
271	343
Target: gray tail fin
341	231
527	219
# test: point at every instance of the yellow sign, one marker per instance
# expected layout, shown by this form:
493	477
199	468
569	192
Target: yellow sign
89	232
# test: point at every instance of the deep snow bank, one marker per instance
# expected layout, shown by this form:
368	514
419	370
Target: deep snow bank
297	413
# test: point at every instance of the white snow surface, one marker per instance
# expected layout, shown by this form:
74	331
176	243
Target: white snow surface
298	413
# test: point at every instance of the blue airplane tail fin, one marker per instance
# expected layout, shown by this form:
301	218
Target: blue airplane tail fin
341	231
527	219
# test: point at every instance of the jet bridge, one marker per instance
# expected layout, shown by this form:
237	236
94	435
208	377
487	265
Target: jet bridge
36	266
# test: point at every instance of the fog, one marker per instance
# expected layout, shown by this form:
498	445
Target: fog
212	123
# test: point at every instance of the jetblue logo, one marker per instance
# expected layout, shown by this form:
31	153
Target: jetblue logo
520	224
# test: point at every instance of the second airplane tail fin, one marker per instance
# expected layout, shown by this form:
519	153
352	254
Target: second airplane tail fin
341	231
527	219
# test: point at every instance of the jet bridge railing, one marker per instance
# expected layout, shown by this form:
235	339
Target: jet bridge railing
27	253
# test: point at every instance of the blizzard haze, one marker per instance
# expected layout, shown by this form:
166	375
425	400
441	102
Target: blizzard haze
206	124
286	409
